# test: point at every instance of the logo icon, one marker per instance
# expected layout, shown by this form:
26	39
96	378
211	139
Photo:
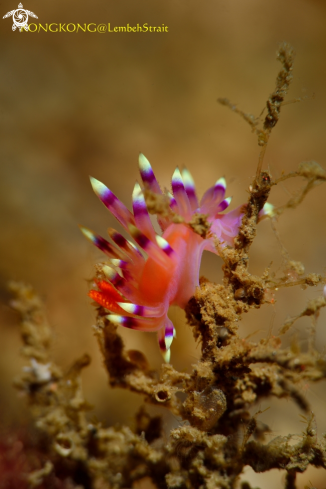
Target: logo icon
20	18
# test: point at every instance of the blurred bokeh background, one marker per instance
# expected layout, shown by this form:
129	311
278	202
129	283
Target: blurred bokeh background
87	103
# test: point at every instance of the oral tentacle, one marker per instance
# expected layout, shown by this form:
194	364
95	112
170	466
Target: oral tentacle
120	263
121	284
165	247
112	203
115	275
127	247
173	203
147	174
101	243
180	194
143	221
267	211
135	323
190	189
152	249
212	197
144	311
165	337
224	205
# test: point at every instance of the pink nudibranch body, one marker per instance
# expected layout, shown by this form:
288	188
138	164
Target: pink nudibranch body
139	290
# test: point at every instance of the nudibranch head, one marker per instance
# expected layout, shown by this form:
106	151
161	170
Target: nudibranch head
137	290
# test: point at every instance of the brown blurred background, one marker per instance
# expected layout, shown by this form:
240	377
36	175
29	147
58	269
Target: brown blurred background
79	104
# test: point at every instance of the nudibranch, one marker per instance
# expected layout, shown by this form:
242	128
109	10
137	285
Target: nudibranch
139	289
